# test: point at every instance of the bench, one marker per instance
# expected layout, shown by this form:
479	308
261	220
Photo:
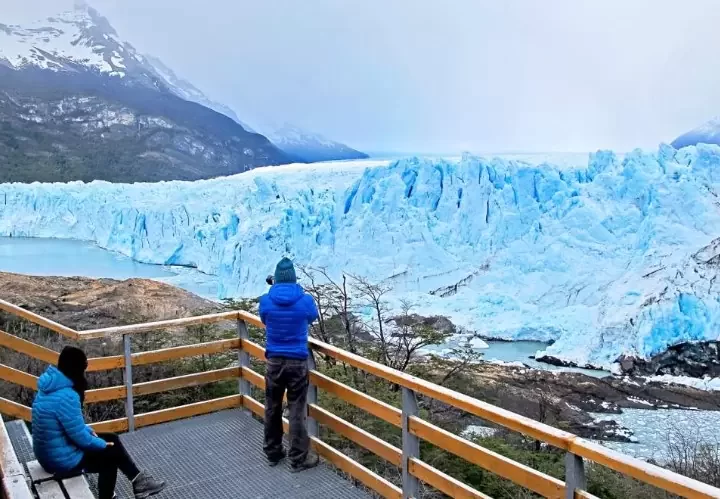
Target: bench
50	486
13	481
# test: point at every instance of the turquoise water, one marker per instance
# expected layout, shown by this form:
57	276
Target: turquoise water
521	351
70	258
515	351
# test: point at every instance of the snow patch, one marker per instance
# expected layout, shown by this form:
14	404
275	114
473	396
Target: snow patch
474	431
505	363
706	384
640	401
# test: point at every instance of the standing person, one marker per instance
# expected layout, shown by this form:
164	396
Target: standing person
64	444
287	313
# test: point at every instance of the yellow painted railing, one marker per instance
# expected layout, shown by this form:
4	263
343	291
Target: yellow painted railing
414	429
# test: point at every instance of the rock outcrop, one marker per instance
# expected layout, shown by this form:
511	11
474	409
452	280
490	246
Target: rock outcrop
696	360
83	303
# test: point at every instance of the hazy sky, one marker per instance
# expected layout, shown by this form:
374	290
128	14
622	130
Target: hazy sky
440	76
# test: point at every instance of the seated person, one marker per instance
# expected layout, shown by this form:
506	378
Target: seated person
64	444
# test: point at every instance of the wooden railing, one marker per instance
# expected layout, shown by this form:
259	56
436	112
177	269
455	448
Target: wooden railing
407	419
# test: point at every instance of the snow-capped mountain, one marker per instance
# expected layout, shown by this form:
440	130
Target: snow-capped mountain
79	40
615	257
79	103
707	133
186	90
305	146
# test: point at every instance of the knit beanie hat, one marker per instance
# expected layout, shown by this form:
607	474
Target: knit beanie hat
285	272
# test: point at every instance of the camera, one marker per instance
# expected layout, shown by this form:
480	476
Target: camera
269	280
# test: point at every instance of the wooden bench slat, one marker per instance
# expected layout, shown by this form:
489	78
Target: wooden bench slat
37	472
16	487
49	490
78	488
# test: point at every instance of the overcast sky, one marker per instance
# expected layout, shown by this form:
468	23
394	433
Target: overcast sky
440	76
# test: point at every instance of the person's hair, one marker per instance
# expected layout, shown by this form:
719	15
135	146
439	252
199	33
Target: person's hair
73	363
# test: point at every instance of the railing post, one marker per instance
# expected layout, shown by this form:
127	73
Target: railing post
574	475
243	357
410	444
129	405
312	425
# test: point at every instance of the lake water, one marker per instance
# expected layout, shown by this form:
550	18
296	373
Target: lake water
656	430
70	258
515	351
521	351
59	257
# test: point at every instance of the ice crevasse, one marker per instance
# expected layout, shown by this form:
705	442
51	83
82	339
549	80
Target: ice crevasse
618	256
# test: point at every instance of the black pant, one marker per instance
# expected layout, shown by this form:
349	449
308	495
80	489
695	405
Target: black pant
291	375
106	463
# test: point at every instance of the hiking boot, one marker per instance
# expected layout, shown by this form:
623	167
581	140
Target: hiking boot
145	486
311	461
275	460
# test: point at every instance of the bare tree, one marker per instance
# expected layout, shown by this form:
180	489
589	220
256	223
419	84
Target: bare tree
399	338
374	296
339	303
320	293
461	358
691	453
545	404
410	336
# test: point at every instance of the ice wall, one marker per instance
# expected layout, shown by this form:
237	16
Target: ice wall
602	259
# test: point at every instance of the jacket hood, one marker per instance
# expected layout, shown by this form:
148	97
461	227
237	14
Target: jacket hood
286	294
53	380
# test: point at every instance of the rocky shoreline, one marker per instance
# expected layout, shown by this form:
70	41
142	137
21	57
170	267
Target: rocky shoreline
554	361
569	399
695	360
84	303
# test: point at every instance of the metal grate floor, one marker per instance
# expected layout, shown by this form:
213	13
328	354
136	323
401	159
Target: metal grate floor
214	456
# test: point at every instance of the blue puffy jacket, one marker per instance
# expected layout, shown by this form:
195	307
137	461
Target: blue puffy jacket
287	313
60	435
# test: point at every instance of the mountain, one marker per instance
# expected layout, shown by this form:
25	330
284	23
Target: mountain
300	145
616	257
308	147
78	103
707	133
186	90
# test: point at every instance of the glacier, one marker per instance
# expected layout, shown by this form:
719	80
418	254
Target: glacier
616	256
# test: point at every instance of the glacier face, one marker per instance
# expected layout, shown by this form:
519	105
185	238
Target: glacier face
618	256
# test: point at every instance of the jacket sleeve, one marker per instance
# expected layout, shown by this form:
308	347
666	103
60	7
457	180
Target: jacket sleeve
312	310
262	309
71	418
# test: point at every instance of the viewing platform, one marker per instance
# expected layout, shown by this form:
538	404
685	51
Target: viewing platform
213	448
216	455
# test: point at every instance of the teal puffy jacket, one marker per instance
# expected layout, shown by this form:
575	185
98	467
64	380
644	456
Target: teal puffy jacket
59	433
